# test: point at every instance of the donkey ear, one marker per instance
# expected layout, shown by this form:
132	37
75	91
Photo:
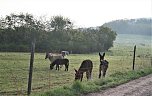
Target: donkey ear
99	54
75	70
103	54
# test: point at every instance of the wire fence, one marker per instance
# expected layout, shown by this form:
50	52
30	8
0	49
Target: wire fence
14	75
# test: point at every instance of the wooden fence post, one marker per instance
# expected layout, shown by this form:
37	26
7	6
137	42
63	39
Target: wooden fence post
134	57
151	60
31	67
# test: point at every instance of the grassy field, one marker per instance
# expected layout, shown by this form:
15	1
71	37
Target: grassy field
14	68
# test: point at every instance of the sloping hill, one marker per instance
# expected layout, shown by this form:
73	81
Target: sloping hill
142	26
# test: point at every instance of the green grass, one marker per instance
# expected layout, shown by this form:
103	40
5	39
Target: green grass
14	72
113	80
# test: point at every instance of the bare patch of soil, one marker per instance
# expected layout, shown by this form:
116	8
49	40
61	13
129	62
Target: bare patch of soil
138	87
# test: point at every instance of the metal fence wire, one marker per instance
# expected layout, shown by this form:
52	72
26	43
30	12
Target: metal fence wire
14	73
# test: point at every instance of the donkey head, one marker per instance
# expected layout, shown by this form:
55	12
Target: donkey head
101	54
51	66
78	75
48	55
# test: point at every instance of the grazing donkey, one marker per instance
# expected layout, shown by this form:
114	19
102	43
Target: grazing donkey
58	62
103	65
53	57
86	66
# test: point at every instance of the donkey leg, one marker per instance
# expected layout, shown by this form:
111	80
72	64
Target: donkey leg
87	75
104	73
100	69
81	76
100	74
50	66
56	66
105	69
65	68
90	77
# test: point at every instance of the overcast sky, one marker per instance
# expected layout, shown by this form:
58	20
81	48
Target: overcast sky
83	13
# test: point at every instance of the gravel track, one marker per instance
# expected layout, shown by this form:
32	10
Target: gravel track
137	87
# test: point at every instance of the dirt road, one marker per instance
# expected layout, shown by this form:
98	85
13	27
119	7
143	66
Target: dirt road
138	87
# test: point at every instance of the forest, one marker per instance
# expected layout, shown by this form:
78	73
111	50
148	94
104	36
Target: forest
141	26
56	34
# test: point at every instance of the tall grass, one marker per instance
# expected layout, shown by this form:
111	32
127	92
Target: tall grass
78	88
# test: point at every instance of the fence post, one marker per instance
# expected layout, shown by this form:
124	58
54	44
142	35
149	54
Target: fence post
134	57
31	67
151	60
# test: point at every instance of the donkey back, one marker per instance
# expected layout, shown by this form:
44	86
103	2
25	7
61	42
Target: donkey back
86	65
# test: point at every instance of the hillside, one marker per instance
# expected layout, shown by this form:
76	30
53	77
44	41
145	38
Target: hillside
133	39
142	26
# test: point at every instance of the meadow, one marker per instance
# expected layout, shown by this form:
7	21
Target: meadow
14	67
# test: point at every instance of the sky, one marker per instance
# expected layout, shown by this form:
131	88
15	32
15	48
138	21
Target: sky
83	13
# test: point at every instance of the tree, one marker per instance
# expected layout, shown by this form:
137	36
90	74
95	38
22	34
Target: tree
105	37
18	30
59	23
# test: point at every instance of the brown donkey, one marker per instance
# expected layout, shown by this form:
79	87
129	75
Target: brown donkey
86	66
103	65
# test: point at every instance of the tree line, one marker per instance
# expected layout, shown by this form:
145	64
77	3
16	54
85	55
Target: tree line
54	35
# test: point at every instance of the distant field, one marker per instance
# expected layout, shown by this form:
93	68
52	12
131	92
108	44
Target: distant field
130	39
14	67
